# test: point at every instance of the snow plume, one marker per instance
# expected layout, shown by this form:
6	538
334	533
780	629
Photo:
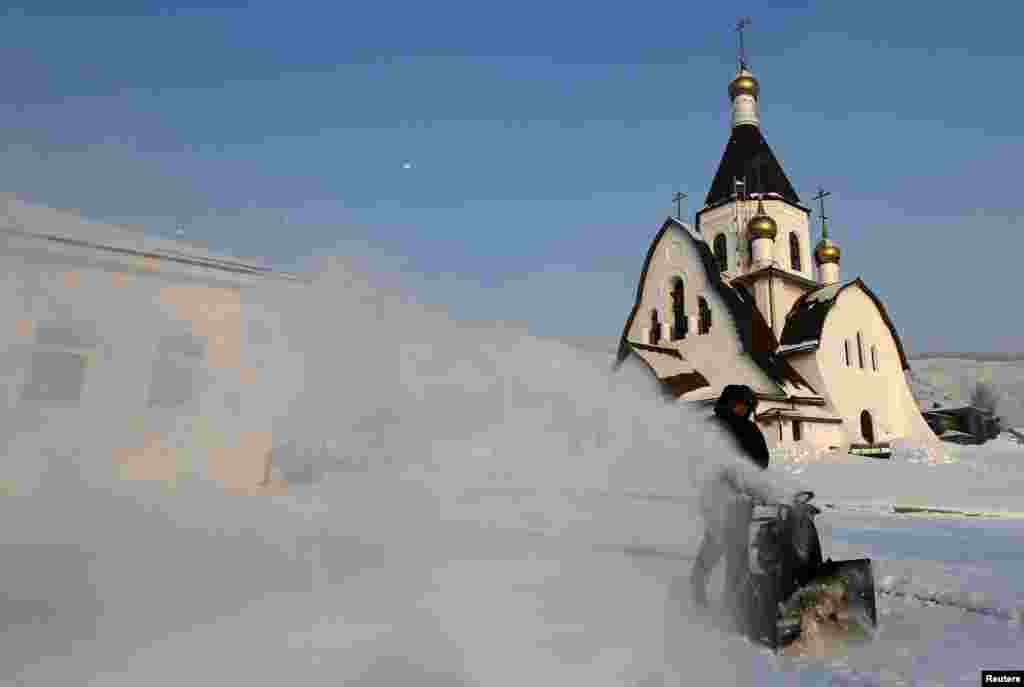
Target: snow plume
467	507
396	384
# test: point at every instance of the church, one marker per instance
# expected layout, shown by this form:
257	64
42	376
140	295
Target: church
742	297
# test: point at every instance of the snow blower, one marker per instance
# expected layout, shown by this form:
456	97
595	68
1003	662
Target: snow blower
795	602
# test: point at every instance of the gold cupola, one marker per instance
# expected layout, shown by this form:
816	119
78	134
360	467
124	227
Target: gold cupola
761	226
744	84
826	252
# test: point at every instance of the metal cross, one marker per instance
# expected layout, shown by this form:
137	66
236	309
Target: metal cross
822	194
678	200
740	25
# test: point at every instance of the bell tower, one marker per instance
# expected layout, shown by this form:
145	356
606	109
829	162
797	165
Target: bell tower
752	216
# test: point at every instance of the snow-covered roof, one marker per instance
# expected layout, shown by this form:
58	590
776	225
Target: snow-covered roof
826	293
802	347
806	318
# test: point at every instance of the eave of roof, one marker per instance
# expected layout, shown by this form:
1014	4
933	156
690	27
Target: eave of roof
774	271
664	350
752	196
793	349
776	413
681	384
675	385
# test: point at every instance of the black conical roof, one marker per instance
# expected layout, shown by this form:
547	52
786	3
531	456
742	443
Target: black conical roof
748	158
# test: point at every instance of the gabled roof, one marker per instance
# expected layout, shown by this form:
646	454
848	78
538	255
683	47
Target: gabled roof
755	334
806	319
748	157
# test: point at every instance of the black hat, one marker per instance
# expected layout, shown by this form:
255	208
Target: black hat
737	393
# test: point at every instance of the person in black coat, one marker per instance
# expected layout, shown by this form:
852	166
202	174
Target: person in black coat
727	499
733	410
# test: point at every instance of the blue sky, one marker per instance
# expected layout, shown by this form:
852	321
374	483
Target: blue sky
545	139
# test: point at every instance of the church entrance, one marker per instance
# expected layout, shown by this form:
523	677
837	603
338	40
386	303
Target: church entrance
867	428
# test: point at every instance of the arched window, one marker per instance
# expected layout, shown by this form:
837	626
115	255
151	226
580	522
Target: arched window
874	358
846	351
721	253
705	316
860	350
655	336
678	309
794	252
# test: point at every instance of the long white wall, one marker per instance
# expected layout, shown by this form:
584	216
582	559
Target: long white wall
158	359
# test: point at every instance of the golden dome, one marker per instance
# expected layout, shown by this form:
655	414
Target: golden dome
826	251
744	84
761	226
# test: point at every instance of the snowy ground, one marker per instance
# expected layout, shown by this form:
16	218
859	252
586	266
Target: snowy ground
486	509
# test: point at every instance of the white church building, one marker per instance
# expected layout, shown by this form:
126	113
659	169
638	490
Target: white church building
740	297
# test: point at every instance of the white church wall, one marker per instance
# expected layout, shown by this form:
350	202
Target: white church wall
917	429
783	295
716	220
718	354
721	220
824	435
673	258
96	343
853	389
771	432
819	435
791	220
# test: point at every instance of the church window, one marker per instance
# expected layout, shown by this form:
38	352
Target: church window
721	253
860	350
794	252
846	351
678	309
55	377
57	364
705	315
176	371
874	358
675	252
655	335
797	430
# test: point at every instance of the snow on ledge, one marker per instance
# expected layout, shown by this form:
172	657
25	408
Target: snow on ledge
801	347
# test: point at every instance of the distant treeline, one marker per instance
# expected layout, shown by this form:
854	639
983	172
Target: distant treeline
980	357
